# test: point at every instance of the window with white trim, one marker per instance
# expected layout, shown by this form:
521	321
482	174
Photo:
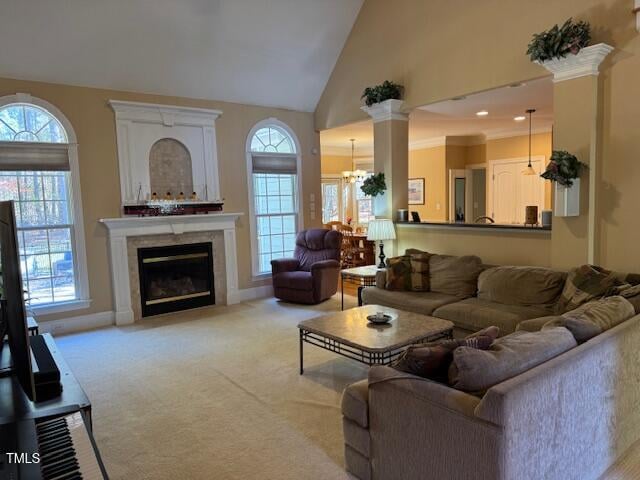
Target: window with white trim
274	180
35	173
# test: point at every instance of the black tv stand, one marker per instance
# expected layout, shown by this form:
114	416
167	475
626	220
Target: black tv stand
16	405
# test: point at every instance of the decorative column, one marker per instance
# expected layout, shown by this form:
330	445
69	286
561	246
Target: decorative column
577	112
390	155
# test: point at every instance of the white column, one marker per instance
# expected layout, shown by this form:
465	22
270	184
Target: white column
120	279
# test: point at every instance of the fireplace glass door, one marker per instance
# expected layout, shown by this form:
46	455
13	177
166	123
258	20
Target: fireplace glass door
176	277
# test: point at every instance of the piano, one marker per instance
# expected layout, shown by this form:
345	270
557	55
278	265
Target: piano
60	447
51	439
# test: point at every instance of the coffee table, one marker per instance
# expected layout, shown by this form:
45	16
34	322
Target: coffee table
348	333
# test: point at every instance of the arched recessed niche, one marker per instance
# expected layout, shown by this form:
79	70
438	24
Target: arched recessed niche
170	167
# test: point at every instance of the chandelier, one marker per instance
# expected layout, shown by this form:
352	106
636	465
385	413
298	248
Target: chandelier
353	176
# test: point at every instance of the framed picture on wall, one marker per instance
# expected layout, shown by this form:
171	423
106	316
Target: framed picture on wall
416	191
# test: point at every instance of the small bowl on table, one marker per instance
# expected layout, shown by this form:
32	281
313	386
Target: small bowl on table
379	318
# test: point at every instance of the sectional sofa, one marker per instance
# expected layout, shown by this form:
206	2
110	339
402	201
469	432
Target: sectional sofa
570	417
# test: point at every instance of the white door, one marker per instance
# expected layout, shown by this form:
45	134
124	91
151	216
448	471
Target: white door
512	191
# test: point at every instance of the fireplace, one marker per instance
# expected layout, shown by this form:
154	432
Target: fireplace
175	277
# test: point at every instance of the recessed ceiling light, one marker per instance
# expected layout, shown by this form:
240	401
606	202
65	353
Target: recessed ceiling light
520	118
482	113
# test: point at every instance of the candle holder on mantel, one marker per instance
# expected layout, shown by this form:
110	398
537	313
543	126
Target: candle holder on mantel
165	203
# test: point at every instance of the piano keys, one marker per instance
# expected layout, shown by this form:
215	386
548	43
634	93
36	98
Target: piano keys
60	448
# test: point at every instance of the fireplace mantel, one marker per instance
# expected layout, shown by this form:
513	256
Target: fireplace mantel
123	227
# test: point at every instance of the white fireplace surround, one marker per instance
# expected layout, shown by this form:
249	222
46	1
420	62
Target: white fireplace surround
122	228
140	125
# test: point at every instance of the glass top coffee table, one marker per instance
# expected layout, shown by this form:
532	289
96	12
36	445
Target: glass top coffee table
348	333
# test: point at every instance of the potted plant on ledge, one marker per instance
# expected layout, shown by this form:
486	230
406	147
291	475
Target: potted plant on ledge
383	101
565	50
564	169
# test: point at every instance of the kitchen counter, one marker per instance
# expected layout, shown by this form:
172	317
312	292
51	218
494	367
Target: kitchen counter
479	227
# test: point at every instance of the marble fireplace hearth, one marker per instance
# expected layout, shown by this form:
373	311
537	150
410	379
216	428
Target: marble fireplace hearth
128	234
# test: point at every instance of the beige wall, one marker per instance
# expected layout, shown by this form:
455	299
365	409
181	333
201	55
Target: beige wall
476	154
94	124
405	44
505	249
430	164
335	164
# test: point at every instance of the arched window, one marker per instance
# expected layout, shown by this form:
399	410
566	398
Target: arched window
272	139
38	164
22	122
273	162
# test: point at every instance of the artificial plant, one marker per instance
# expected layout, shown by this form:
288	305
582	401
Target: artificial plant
374	185
563	168
379	93
558	42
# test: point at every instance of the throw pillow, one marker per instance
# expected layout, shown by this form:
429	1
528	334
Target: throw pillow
630	292
476	371
456	276
399	273
594	317
408	272
432	360
420	272
584	284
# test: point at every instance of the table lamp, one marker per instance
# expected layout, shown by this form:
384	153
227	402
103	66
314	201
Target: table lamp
381	229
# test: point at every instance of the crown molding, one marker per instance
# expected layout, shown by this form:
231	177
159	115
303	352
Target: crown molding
517	133
340	151
388	110
428	143
586	62
168	115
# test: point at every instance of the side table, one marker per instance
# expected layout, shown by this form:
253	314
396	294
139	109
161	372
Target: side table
360	276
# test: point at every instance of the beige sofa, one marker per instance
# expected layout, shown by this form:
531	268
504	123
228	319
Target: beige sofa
568	418
505	296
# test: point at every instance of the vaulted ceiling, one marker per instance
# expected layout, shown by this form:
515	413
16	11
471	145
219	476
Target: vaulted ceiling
260	52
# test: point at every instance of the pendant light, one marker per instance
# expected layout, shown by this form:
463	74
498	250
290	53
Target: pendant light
529	170
353	176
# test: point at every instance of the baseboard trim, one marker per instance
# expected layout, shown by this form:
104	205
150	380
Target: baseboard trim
253	293
105	319
77	324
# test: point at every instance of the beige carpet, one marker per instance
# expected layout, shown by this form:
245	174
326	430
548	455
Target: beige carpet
214	394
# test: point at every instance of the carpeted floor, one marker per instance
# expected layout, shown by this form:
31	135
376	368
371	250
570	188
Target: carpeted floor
215	394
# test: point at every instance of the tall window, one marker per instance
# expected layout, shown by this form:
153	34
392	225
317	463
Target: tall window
35	174
273	162
363	205
331	200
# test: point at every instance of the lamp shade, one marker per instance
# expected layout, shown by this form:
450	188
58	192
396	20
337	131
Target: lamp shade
381	229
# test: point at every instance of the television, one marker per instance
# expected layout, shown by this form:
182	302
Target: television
12	307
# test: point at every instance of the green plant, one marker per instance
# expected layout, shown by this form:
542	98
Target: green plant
379	93
563	168
374	185
558	42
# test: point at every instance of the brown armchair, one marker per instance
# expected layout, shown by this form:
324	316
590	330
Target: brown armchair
312	276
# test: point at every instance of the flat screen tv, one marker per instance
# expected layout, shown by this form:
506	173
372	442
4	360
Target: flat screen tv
12	300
